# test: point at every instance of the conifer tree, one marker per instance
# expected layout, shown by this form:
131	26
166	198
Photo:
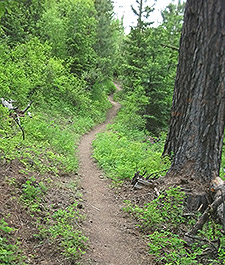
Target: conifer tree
105	46
136	46
196	131
151	62
20	20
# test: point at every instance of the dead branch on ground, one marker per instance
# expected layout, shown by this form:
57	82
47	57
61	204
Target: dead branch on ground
17	113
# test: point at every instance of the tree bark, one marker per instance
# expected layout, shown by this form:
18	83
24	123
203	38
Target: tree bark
196	129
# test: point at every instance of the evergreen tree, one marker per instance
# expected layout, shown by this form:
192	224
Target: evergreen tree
136	45
196	129
70	27
163	44
143	13
118	37
53	27
81	36
105	45
20	21
151	62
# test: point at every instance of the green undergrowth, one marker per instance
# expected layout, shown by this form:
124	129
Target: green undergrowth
9	252
55	223
63	109
105	85
121	157
49	143
164	224
126	147
47	153
62	227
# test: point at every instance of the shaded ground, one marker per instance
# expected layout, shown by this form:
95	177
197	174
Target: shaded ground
113	238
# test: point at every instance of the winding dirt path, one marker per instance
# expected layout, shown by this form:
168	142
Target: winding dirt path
111	242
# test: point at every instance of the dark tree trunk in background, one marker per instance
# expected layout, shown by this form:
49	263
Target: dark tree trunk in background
196	129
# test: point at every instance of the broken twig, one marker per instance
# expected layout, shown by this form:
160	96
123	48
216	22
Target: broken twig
17	113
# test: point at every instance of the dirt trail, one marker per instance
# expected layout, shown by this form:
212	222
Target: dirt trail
111	242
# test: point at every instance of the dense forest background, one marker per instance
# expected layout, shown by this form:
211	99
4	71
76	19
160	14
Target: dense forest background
62	57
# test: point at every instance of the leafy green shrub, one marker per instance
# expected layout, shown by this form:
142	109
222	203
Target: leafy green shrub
4	121
165	212
108	86
131	113
98	94
9	253
24	72
168	248
30	73
32	193
61	226
120	157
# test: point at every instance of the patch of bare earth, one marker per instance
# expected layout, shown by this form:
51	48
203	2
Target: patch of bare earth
113	238
37	249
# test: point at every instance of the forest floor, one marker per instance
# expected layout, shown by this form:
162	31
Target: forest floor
113	238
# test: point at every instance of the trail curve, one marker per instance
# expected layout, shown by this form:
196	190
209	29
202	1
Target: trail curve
110	243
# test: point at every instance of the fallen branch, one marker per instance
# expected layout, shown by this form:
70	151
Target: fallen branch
17	113
170	46
17	120
138	181
211	243
8	104
202	220
27	107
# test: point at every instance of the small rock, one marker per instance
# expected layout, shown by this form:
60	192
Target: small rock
138	187
80	206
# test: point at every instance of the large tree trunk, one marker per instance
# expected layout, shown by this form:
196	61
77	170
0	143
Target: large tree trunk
196	129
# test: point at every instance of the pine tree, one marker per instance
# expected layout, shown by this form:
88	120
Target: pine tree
151	62
19	22
196	129
105	45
